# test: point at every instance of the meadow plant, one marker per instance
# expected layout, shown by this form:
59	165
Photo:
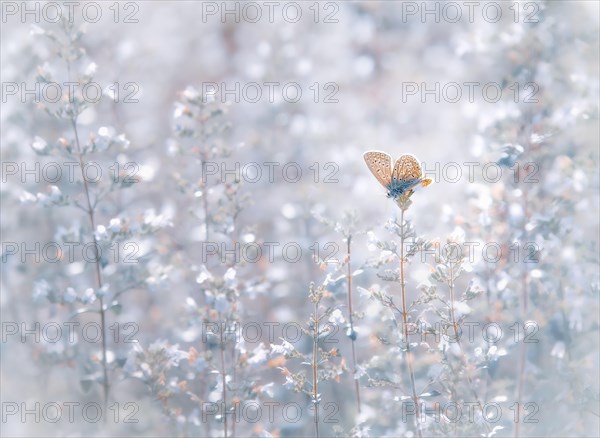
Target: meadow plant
323	362
364	329
537	210
347	227
93	279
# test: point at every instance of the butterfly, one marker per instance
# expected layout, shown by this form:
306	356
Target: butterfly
403	178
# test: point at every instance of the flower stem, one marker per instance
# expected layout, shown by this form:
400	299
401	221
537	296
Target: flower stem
522	354
314	368
409	357
463	356
90	211
224	383
524	308
234	385
205	200
351	320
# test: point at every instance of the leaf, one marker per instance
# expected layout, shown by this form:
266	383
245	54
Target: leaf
116	307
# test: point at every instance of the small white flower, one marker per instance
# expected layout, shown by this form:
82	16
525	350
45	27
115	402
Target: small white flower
131	364
191	303
91	69
289	382
336	317
268	389
103	139
101	233
191	93
558	350
457	236
285	348
371	241
101	293
462	308
172	352
179	111
122	141
70	295
229	277
156	221
360	371
28	198
115	225
41	289
259	354
89	296
203	275
40	145
54	197
55	193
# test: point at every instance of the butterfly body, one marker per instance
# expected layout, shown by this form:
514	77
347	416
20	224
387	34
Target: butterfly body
400	180
397	188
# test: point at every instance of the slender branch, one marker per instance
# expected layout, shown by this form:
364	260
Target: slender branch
351	320
314	367
463	355
224	383
522	351
90	212
524	301
409	357
205	198
451	287
234	384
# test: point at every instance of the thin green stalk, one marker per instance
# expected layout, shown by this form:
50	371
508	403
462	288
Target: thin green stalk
205	199
522	350
90	211
224	383
524	306
409	357
315	366
463	355
234	384
351	320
